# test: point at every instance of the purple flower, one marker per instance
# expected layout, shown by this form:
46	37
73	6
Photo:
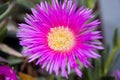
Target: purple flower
59	35
117	75
6	73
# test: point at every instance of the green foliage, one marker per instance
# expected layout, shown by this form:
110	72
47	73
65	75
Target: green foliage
30	2
91	3
88	3
103	65
14	61
2	60
115	38
25	3
3	8
3	29
6	11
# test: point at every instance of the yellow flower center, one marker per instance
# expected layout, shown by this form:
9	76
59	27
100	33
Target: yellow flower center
60	39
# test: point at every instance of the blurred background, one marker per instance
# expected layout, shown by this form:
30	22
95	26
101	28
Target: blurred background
12	13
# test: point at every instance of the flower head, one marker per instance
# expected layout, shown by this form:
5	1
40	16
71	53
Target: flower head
58	35
6	73
117	75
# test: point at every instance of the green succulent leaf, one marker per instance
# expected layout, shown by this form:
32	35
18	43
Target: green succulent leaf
119	42
115	37
98	70
7	12
3	29
91	3
109	59
3	34
31	3
3	8
3	60
25	3
90	73
14	61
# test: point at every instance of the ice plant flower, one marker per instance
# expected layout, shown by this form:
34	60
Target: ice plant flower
59	35
6	73
116	74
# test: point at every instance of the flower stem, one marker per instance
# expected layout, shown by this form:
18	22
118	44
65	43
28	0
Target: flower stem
90	77
110	59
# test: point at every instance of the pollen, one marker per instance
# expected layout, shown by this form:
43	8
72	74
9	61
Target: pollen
60	39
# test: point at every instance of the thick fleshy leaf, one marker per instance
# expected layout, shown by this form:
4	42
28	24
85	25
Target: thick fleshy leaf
83	2
25	3
3	29
109	59
119	42
9	50
104	55
91	3
98	70
90	74
88	3
7	12
3	8
3	60
14	61
115	37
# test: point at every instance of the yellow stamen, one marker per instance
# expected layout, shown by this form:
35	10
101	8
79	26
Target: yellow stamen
60	39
